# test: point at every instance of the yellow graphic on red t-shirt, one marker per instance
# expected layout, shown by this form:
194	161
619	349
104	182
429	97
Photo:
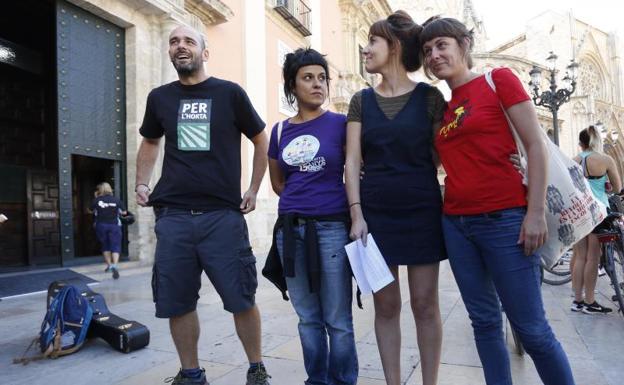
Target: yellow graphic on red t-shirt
460	114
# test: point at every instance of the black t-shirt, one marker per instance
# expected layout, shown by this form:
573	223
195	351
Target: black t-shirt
106	209
202	124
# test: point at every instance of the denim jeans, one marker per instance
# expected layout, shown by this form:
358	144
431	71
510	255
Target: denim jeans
491	269
328	312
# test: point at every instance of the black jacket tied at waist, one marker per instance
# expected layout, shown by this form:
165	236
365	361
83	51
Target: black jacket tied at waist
273	269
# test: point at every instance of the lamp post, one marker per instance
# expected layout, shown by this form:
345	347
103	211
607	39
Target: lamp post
553	97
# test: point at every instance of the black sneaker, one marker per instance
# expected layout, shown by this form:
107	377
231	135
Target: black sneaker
577	305
596	308
115	273
108	268
181	380
258	376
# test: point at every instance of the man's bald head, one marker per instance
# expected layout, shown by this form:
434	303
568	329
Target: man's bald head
187	51
188	32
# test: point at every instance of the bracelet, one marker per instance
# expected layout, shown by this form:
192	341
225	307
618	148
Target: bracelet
141	184
354	203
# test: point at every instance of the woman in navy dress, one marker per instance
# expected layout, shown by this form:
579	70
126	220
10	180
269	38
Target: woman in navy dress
389	131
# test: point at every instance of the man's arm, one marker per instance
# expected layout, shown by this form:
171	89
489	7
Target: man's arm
146	158
260	159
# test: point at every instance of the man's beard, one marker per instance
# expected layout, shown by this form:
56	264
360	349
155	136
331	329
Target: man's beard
189	68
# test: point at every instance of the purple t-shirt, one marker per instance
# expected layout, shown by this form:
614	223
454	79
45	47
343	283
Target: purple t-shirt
311	156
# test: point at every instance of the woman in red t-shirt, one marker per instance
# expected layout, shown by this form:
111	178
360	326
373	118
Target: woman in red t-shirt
492	224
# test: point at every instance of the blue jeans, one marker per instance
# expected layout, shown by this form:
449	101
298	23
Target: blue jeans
491	269
327	312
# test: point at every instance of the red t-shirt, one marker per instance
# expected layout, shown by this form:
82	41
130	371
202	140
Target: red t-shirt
474	144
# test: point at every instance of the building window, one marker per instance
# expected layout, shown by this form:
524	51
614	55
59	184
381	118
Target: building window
282	50
296	12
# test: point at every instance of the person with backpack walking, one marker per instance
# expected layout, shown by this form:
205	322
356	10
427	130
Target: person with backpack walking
106	210
200	224
306	164
493	224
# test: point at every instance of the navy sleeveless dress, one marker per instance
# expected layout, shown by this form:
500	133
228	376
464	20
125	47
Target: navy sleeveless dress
400	194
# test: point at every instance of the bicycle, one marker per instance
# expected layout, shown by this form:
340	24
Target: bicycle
611	238
560	273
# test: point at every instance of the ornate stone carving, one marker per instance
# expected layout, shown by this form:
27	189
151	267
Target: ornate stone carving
209	11
590	81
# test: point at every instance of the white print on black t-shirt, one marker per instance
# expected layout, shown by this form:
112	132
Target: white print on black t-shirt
194	124
105	205
301	152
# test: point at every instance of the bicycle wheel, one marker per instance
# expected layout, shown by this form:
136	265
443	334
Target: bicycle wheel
614	265
560	273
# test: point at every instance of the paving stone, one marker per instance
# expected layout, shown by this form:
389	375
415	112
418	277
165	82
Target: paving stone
593	343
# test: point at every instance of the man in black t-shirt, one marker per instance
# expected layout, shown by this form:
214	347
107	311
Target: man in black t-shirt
197	201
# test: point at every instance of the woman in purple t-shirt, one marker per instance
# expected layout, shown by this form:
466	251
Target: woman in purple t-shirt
306	164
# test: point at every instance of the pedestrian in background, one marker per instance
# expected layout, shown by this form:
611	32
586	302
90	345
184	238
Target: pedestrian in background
599	168
106	209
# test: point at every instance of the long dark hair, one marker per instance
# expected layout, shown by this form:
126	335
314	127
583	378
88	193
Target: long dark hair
300	58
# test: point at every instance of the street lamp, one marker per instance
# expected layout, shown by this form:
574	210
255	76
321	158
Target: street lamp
553	98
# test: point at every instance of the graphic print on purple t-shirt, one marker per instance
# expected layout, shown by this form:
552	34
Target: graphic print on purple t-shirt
301	152
311	156
194	124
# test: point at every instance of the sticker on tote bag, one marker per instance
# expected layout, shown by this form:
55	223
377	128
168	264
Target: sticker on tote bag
194	124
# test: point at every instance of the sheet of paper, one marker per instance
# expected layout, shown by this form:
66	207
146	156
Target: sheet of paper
368	265
377	272
355	259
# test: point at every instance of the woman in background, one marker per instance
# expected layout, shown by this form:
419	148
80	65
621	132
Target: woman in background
106	209
597	166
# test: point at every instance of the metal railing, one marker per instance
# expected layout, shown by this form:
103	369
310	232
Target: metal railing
296	12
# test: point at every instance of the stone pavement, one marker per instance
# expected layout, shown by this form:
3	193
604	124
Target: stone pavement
595	344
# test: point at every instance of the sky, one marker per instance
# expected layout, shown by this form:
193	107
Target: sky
506	19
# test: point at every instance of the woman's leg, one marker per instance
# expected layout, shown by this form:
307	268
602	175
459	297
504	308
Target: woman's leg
423	284
388	328
101	233
578	269
308	307
336	301
590	273
477	291
518	283
107	257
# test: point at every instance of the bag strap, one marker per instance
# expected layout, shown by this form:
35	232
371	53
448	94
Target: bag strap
280	126
26	360
521	150
584	165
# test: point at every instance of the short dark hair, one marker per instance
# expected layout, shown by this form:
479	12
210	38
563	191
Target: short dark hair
400	29
300	58
437	26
